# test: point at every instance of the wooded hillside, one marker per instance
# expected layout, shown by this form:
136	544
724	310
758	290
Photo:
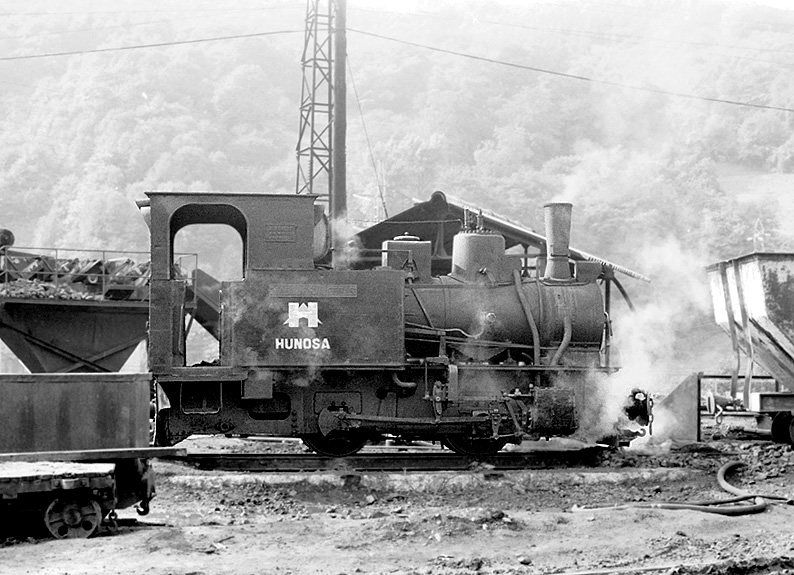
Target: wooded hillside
629	109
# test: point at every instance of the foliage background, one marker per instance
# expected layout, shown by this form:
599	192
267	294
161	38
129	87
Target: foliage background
662	184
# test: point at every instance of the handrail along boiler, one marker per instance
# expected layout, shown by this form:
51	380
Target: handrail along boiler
478	358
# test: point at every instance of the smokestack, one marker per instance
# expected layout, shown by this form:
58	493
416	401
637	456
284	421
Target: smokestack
558	236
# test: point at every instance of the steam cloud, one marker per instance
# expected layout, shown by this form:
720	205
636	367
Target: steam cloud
649	340
347	244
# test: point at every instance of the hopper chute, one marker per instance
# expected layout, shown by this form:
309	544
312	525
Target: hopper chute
753	301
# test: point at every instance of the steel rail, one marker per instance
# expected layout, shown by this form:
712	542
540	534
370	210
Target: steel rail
393	461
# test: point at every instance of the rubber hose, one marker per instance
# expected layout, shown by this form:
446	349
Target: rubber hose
740	493
709	506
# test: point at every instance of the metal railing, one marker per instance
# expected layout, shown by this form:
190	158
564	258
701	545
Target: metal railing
36	273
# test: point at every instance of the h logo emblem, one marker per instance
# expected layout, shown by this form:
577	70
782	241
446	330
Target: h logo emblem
307	311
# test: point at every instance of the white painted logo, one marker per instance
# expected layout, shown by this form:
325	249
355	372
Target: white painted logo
299	311
302	343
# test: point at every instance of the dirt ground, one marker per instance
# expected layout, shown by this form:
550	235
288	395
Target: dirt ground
479	521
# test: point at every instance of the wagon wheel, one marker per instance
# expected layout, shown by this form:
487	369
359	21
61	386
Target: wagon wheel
72	516
791	431
335	444
473	446
781	425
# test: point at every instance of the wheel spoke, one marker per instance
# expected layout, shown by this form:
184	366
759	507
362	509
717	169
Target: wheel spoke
72	517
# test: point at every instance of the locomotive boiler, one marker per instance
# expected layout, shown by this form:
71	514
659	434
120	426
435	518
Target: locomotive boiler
488	354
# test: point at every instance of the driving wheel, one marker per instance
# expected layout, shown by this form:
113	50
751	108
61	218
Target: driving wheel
473	446
335	444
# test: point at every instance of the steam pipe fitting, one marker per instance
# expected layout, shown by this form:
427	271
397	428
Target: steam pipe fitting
402	384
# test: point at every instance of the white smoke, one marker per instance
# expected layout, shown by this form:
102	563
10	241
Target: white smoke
348	249
654	341
647	341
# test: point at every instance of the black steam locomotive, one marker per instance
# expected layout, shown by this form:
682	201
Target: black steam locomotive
485	355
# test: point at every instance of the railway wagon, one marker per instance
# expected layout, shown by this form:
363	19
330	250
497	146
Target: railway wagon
753	301
313	348
74	449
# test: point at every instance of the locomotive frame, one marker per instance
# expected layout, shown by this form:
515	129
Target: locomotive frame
336	356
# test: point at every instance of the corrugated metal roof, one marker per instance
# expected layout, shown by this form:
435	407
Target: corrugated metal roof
441	217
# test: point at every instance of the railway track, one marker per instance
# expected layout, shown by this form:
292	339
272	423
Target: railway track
391	461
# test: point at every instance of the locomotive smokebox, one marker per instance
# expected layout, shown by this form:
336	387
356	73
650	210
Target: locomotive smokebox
558	236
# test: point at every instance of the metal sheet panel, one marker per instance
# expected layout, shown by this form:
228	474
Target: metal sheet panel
677	416
71	412
771	402
775	286
321	317
756	292
167	325
72	335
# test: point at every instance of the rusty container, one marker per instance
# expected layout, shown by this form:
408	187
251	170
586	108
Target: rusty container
74	412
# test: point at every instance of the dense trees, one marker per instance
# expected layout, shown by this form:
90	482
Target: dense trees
84	135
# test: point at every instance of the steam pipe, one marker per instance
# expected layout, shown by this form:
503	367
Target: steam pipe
422	307
530	319
558	237
566	340
624	293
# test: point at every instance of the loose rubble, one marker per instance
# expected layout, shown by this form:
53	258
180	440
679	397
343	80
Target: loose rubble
36	289
504	523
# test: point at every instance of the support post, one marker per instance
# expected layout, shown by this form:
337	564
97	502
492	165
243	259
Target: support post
338	202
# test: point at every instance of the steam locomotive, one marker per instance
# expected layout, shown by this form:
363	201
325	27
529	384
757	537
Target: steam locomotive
486	355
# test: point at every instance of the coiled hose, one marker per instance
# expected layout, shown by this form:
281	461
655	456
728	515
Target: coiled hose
759	504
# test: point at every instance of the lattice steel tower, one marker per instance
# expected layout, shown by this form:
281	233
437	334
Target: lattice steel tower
321	135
